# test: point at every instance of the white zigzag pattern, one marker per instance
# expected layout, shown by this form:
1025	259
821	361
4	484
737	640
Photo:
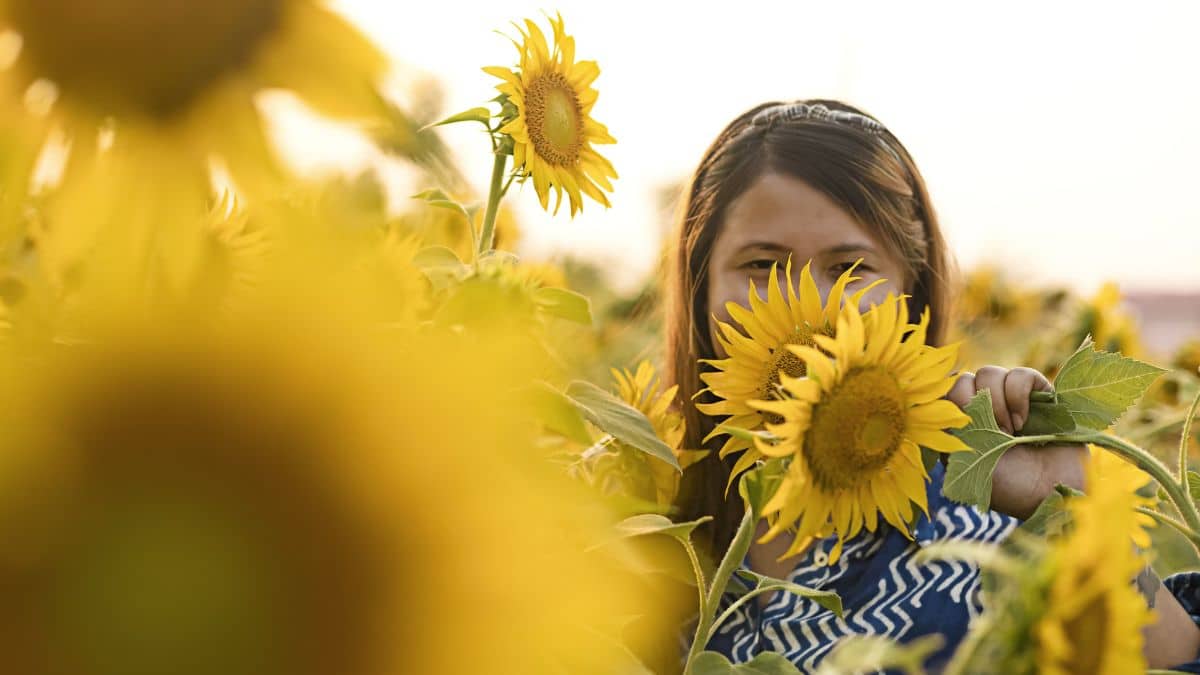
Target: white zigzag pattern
886	612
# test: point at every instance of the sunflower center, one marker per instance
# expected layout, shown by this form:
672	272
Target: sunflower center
1087	634
856	429
133	56
554	118
784	362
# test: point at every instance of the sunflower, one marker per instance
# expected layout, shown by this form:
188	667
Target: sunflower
1118	474
151	95
632	471
1094	616
552	129
757	355
1111	328
262	498
853	428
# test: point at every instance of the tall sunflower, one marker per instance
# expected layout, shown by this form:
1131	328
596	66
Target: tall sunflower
552	129
149	95
853	428
757	355
1094	615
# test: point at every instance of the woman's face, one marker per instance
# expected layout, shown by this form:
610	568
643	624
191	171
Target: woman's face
781	216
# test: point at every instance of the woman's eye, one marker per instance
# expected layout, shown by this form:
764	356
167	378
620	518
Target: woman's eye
760	264
843	267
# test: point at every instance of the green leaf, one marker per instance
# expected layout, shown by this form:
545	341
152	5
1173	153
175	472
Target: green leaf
438	198
564	304
827	599
652	523
480	114
1048	418
870	653
1051	517
969	473
759	484
765	663
440	265
613	416
1194	485
559	413
1099	386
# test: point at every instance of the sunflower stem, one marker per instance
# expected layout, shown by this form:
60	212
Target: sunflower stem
1193	537
712	600
495	192
1175	489
1184	439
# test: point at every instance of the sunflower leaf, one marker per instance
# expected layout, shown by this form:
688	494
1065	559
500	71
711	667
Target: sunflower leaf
765	663
1193	480
479	114
559	413
1051	516
438	198
869	653
564	304
626	423
1048	418
1099	386
440	265
758	485
969	473
827	599
652	523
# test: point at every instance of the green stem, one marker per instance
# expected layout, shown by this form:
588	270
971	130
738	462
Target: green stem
1184	440
712	630
733	557
701	584
495	192
1163	518
1175	489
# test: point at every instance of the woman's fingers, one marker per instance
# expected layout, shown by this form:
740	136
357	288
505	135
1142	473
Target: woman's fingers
962	391
992	378
1018	384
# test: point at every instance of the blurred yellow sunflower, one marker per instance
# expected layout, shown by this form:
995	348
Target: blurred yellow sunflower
150	96
630	471
853	428
256	499
1094	616
1111	327
553	130
1119	475
757	356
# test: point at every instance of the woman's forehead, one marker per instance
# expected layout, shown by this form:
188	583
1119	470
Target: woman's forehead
784	212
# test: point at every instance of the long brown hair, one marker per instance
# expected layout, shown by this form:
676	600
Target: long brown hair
869	174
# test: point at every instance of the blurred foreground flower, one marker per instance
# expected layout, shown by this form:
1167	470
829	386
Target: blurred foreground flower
1068	606
296	493
148	95
551	126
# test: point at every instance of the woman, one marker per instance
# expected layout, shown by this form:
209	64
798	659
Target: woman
820	180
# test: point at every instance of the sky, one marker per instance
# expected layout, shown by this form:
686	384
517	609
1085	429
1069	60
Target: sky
1058	140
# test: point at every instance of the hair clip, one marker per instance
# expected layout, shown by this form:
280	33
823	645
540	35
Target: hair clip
788	112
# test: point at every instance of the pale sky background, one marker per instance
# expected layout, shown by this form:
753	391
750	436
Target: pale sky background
1059	139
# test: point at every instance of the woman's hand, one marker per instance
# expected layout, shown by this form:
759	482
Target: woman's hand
1025	474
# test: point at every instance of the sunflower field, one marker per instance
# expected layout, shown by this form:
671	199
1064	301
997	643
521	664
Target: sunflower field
257	422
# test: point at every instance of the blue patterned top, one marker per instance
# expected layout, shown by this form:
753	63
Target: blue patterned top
884	592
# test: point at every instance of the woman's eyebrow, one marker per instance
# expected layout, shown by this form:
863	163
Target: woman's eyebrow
850	248
768	245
